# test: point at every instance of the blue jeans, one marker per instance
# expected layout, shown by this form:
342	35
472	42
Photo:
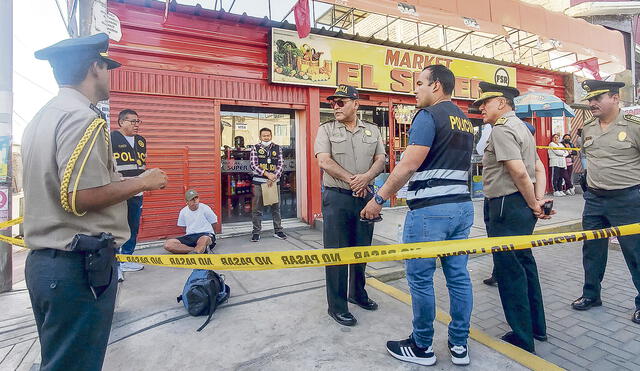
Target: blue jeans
134	206
450	221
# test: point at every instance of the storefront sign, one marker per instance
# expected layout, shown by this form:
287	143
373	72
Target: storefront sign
105	21
633	110
326	61
244	166
5	150
4	204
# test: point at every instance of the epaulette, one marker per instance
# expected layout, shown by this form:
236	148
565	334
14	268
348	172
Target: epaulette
501	121
590	121
632	118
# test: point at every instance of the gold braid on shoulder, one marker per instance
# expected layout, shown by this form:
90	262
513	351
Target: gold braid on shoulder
92	132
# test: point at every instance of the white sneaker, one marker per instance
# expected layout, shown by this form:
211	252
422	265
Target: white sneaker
131	267
572	191
558	194
459	354
120	275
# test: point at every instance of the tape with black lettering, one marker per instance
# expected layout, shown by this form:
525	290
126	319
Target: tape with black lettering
559	148
368	254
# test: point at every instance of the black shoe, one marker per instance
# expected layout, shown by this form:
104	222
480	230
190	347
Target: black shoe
345	319
255	237
540	337
459	354
636	317
280	235
511	338
369	305
408	351
491	281
583	303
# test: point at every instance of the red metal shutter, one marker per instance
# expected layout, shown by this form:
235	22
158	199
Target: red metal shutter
180	140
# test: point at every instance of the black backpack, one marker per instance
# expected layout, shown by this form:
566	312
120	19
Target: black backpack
203	292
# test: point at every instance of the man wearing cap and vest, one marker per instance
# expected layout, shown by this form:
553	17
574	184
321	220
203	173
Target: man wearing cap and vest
67	205
267	165
130	153
351	153
436	164
611	145
514	187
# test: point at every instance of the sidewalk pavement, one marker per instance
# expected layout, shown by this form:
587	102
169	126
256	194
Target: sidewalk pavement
277	319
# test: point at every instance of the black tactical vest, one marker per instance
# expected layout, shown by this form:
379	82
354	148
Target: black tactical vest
267	159
130	161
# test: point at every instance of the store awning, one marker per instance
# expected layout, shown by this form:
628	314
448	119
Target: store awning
507	30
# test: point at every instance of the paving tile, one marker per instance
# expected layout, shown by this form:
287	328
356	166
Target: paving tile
571	357
593	354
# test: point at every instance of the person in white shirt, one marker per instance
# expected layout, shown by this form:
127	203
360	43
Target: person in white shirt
198	220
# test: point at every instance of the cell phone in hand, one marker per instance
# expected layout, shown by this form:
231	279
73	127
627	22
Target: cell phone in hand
547	207
374	220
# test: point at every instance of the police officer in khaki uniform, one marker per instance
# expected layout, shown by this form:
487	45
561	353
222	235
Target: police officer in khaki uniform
351	153
611	145
514	184
73	316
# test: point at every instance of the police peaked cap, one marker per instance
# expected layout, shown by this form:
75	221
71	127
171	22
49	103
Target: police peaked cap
92	47
597	87
345	91
493	90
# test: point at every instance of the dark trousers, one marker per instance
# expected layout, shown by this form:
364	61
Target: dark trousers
342	228
257	206
73	326
556	177
603	212
566	175
134	211
516	271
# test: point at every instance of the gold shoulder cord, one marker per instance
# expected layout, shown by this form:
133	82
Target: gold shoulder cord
92	130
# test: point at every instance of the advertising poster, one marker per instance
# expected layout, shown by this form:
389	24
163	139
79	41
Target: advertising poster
5	150
4	204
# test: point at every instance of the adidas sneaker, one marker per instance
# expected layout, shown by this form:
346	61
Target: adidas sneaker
408	351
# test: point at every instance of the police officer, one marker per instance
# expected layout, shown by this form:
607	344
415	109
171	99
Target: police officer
514	186
267	164
72	317
611	145
436	164
351	153
130	153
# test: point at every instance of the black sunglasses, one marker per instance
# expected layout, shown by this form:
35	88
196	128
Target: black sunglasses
339	103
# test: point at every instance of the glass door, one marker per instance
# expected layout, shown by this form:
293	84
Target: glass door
240	132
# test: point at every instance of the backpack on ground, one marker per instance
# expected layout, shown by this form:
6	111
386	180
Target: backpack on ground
203	292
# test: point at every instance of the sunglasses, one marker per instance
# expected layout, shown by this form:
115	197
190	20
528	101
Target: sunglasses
339	103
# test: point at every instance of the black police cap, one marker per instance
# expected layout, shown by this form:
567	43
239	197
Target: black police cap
597	87
345	91
81	48
493	90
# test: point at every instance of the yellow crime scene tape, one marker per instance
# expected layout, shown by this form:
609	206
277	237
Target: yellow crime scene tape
559	148
361	254
368	254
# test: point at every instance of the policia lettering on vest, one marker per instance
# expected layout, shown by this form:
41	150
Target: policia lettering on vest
514	186
130	154
66	206
436	164
611	145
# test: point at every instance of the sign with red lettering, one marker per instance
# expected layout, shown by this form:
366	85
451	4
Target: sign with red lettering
327	61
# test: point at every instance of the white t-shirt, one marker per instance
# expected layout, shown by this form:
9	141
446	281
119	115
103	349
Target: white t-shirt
130	139
198	221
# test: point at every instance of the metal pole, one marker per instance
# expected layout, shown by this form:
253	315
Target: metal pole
6	110
85	10
632	52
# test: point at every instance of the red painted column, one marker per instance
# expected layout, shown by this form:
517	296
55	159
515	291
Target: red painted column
314	196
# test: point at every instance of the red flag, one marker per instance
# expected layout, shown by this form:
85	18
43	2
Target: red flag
590	65
301	14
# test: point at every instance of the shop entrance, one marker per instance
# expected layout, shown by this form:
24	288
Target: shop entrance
240	132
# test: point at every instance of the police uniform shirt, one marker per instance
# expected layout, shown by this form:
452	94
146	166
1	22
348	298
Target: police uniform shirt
509	140
613	156
47	145
354	152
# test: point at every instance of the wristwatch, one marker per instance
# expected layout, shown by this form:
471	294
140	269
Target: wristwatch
379	200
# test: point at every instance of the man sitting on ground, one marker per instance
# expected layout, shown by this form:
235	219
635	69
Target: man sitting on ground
198	219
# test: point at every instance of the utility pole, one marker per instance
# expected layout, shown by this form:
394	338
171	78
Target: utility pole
6	112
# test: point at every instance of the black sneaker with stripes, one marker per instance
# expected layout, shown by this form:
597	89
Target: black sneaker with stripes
459	354
408	351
